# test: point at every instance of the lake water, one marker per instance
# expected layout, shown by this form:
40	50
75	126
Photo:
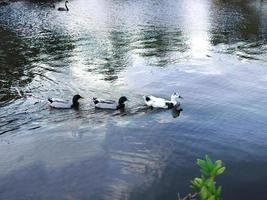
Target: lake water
212	52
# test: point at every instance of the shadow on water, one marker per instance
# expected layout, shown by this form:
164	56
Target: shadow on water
13	66
67	188
114	57
159	45
52	47
242	26
29	52
240	22
139	110
27	57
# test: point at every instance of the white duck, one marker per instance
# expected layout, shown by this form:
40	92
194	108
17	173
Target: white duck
156	102
110	104
59	103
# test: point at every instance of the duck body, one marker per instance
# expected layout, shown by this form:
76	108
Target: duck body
64	104
110	104
64	9
59	103
156	102
105	104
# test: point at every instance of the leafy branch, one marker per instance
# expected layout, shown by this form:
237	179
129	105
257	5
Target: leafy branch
205	186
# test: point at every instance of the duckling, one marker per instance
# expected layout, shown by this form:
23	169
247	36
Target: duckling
110	104
59	103
156	102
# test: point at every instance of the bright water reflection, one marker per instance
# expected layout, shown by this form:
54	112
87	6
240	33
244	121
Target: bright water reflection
213	52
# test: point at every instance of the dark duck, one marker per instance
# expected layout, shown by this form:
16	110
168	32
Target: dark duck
64	104
110	104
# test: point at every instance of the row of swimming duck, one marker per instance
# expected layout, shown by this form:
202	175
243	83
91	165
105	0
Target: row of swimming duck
150	101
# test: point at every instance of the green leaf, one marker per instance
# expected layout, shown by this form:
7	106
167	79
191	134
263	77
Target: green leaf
220	171
209	183
212	198
198	180
211	186
197	183
203	165
205	186
203	193
209	162
205	173
219	191
218	163
217	167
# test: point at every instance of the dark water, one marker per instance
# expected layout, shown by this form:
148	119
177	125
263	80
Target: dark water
213	52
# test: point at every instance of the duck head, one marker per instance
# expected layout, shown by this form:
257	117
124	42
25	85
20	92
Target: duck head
121	104
76	98
175	97
122	100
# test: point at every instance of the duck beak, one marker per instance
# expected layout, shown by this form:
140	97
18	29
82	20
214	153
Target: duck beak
180	97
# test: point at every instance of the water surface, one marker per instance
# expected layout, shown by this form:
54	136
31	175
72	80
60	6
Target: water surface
213	52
